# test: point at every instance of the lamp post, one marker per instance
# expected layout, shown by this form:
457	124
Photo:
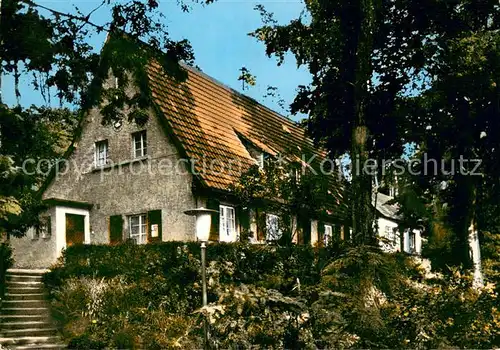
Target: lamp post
203	221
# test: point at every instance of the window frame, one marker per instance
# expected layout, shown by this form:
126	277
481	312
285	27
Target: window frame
227	222
143	140
391	234
142	224
270	217
97	153
412	242
327	237
45	229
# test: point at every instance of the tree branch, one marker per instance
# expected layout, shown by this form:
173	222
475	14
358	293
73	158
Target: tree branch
85	19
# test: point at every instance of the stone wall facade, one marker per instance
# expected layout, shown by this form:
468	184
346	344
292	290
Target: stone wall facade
127	185
31	251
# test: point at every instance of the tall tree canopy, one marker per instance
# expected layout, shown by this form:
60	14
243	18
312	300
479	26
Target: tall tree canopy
366	58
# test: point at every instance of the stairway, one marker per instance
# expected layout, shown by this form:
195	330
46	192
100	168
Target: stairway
25	321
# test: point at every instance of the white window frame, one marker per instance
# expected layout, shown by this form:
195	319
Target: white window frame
328	235
45	230
412	242
227	224
141	237
101	154
260	160
273	230
391	234
139	144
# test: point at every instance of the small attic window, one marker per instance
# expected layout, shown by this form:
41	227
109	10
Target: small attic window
255	152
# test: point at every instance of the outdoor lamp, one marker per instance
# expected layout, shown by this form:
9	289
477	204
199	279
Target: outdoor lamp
203	221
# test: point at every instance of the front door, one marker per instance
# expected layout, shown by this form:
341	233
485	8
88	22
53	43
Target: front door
75	229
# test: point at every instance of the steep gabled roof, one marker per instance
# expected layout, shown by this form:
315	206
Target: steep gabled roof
385	207
210	121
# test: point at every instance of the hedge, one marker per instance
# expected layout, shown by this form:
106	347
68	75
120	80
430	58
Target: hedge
135	262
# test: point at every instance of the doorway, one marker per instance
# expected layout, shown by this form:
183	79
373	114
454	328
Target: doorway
75	229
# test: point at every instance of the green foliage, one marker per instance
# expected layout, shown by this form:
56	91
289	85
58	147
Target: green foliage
287	188
31	142
133	296
147	294
6	262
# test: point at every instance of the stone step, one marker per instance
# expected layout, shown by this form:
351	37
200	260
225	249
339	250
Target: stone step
25	324
25	311
27	271
24	318
25	290
38	346
28	341
24	278
25	284
28	332
27	296
9	304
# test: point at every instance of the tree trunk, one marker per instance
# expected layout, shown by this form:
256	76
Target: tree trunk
473	240
357	26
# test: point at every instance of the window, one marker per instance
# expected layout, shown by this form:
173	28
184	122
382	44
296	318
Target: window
390	234
227	224
260	160
328	234
137	228
273	231
45	229
101	153
139	144
412	242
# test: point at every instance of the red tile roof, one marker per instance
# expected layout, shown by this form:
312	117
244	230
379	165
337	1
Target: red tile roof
209	121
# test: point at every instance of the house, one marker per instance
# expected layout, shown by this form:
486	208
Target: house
130	182
390	238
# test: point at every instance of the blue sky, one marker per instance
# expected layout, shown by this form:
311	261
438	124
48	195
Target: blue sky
218	34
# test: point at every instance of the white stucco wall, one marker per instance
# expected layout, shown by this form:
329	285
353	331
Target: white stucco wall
396	246
314	232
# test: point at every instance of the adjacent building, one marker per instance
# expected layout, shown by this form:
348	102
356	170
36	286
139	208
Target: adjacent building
391	239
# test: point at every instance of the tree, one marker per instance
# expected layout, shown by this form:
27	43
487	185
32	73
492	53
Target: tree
460	134
362	55
367	59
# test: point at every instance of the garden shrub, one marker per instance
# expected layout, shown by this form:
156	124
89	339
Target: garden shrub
136	297
6	263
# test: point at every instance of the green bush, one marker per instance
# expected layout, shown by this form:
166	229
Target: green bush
101	290
137	297
6	263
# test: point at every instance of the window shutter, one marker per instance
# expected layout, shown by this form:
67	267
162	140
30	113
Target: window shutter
154	218
243	217
305	230
115	229
214	226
